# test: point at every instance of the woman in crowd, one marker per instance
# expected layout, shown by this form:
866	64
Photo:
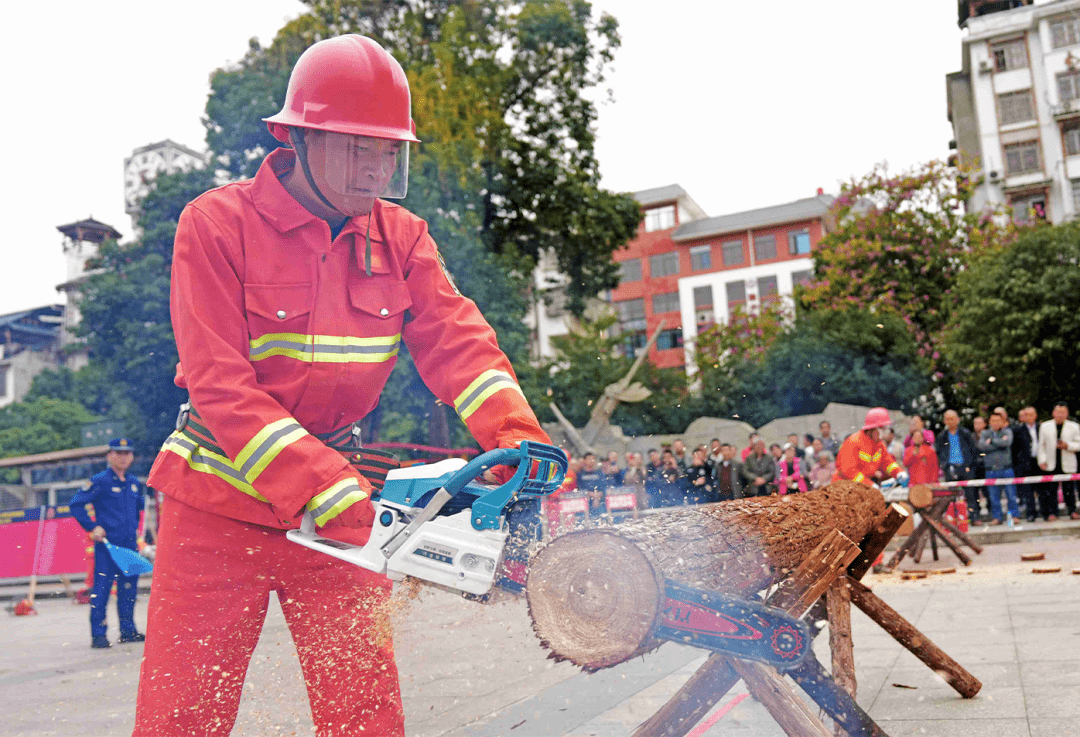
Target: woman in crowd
822	472
791	477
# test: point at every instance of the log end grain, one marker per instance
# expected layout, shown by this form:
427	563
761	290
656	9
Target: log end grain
1032	556
920	496
594	598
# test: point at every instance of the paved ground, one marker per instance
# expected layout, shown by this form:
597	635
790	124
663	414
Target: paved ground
479	671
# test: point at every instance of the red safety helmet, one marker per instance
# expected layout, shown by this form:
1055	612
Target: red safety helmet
877	417
347	84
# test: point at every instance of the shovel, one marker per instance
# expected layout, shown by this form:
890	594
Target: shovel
128	561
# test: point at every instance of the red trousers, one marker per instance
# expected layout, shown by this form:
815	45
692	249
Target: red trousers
212	582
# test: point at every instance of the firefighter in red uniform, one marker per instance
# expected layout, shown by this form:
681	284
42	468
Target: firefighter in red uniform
863	456
291	293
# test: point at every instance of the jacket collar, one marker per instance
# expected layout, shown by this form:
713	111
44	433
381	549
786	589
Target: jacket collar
282	210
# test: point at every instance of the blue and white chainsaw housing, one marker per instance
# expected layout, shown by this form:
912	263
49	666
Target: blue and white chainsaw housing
432	523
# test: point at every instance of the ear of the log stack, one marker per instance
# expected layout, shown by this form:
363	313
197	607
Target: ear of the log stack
594	599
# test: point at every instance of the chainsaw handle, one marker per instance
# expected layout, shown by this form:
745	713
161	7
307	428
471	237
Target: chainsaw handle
484	461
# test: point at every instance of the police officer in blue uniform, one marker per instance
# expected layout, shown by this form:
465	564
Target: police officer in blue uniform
118	498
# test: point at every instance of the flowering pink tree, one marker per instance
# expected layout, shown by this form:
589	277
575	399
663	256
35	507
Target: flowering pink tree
896	245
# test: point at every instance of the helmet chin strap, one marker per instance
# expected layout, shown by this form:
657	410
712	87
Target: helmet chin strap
296	135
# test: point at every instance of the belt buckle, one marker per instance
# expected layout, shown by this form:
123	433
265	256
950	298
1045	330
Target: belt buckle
182	416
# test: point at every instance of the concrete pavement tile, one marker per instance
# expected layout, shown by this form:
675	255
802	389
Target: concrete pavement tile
953	619
1054	728
1048	643
968	656
1052	702
953	728
1048	673
991	675
945	704
986	636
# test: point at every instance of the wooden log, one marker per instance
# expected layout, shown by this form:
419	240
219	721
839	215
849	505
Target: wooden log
596	596
838	603
920	496
936	525
962	536
877	539
794	715
716	677
916	642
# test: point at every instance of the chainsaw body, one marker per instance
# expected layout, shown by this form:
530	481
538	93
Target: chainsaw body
433	522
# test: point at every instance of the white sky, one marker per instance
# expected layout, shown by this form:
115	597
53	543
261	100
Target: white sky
744	104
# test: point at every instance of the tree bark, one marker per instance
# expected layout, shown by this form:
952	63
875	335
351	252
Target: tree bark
596	596
795	716
838	602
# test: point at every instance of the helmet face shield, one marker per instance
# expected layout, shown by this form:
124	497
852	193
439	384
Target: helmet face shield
363	166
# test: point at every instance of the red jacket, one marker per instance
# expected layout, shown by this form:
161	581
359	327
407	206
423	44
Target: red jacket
860	457
282	334
922	464
783	483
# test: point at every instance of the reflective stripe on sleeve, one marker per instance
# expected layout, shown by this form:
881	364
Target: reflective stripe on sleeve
859	478
266	445
328	504
205	461
863	455
324	348
481	388
894	466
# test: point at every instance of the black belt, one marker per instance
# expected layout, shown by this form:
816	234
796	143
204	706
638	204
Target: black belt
370	463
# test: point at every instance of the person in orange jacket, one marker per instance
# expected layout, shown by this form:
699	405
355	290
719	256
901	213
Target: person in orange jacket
291	294
863	456
921	460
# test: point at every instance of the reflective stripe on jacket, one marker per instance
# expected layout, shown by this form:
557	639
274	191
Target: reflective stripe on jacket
860	457
282	334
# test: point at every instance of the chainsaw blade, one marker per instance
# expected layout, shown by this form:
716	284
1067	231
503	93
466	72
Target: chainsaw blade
733	626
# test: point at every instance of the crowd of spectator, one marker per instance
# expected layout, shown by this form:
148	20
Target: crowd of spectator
994	447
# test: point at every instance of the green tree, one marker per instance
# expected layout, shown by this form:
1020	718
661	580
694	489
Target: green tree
1016	325
125	313
897	246
587	360
41	425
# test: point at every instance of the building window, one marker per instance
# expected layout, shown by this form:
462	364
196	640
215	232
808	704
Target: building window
633	342
733	253
703	297
1068	86
1076	195
1009	55
1015	107
630	270
1065	32
631	314
799	242
664	264
802	277
1022	157
1071	134
669	339
3	381
1026	209
736	292
700	258
660	218
764	247
766	287
665	302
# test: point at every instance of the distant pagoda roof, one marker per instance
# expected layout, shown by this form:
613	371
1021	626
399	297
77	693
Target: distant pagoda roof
89	230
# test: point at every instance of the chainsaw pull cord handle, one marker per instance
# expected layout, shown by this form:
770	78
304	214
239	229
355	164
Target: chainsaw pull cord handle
457	482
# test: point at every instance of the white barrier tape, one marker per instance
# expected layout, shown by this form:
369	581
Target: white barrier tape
1007	481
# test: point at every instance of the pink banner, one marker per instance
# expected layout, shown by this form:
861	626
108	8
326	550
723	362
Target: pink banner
62	550
621	501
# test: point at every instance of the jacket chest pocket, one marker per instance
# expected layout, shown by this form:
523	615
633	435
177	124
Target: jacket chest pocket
278	316
378	312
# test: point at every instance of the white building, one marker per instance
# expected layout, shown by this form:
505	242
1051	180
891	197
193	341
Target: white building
1015	104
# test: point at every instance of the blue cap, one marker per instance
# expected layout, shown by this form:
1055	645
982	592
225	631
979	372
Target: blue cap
121	444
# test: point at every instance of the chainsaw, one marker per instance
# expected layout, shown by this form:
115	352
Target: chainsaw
435	522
